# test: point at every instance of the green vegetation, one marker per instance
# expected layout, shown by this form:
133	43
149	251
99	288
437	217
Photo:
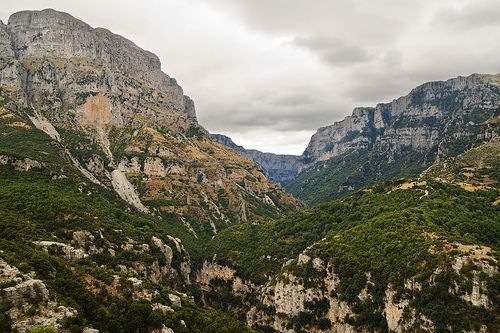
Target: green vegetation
395	235
354	170
195	132
386	233
42	329
477	166
33	207
447	209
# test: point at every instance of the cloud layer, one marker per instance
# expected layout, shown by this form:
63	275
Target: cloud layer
269	73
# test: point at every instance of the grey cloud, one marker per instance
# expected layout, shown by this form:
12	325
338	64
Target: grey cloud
272	118
333	51
294	100
365	21
282	16
475	14
370	89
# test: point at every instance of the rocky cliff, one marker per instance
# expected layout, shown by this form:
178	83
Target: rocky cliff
401	138
118	213
125	124
309	296
279	168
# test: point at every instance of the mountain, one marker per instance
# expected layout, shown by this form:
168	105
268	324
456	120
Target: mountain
476	168
402	138
279	168
109	186
400	256
127	125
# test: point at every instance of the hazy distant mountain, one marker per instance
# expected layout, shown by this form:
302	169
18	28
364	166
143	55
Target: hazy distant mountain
279	168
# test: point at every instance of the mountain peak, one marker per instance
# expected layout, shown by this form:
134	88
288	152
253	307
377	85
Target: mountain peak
42	17
50	33
36	36
125	125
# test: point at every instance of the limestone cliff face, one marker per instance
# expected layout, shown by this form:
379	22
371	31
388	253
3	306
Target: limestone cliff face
279	168
418	120
64	60
434	121
307	296
35	34
25	291
125	124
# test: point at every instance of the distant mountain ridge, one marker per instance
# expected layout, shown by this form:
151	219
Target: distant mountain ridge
279	168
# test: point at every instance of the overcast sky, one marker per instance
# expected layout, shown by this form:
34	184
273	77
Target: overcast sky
268	73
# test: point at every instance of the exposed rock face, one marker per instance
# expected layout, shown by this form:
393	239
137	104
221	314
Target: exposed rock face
68	251
25	293
418	120
126	190
37	33
165	249
315	296
126	125
436	120
116	75
25	164
279	168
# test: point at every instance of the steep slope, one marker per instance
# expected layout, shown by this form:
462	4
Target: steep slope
279	168
435	121
74	255
127	125
398	257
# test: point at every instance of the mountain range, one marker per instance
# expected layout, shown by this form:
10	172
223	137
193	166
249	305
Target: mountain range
119	212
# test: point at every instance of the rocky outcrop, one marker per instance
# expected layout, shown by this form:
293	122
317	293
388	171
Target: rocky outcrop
279	168
67	251
24	164
126	190
161	268
310	298
212	271
27	293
